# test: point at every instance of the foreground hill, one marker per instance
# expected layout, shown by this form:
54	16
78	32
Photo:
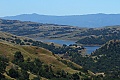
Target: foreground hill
90	20
31	53
22	62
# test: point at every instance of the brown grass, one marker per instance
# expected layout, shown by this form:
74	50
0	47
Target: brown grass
34	52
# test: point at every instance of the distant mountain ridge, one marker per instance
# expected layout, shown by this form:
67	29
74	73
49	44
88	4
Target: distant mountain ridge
90	20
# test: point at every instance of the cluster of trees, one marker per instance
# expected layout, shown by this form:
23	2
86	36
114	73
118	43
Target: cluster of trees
43	70
3	64
14	39
106	60
22	68
18	74
38	68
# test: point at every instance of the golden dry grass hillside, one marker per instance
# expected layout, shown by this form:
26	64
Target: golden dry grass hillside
44	55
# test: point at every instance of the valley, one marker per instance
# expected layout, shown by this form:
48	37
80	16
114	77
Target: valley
58	51
23	53
59	40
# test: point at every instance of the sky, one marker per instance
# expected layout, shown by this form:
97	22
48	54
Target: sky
58	7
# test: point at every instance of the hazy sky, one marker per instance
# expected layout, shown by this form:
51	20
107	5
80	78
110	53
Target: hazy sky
58	7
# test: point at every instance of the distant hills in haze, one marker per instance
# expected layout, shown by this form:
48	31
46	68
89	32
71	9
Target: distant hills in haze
90	20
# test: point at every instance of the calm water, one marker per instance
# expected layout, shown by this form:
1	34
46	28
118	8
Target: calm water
89	49
61	42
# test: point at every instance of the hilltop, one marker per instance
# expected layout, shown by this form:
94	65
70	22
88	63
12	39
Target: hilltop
90	20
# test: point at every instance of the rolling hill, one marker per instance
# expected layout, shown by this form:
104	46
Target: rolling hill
40	31
99	36
35	58
90	20
31	62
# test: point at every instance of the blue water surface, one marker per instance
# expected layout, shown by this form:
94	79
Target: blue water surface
89	49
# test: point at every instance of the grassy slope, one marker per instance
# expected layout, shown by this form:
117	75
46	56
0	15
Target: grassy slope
34	52
8	49
44	55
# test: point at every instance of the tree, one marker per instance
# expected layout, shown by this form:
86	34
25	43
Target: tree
3	64
64	45
24	75
18	58
76	76
18	41
13	73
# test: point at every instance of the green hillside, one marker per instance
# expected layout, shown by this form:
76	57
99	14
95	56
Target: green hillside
105	60
108	57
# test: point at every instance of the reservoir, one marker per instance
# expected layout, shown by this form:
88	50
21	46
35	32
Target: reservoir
89	49
61	42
